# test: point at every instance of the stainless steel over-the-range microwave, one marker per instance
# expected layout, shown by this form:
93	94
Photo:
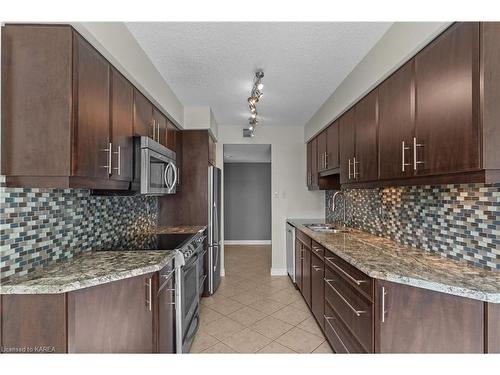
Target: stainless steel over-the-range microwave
155	172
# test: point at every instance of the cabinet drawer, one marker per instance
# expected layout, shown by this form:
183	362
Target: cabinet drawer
350	273
317	249
304	238
351	307
338	335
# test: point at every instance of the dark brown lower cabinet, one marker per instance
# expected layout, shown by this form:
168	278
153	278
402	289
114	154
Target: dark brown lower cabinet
133	315
116	317
317	288
33	323
359	314
306	274
416	320
298	264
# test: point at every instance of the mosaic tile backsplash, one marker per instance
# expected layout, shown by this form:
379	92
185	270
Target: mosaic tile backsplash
461	222
41	226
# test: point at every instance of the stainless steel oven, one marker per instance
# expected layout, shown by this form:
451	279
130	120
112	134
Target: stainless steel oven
155	172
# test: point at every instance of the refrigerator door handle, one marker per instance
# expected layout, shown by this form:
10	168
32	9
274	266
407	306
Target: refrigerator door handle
216	248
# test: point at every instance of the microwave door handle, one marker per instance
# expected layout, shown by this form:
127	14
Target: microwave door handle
165	176
174	171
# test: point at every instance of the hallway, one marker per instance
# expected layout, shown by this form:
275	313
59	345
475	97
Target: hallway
253	312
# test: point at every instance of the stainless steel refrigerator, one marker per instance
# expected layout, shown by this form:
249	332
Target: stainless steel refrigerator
214	215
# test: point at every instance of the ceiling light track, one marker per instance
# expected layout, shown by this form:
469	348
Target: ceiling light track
255	96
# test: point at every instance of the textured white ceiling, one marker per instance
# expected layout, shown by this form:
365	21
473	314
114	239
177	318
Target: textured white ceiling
243	153
214	63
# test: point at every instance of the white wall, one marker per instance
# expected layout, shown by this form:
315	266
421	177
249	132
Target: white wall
398	44
118	45
200	117
290	197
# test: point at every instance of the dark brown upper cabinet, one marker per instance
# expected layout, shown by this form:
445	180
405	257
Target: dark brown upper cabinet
160	123
321	153
365	161
91	153
314	164
68	116
447	102
122	126
143	116
396	108
332	146
309	165
346	145
433	121
171	136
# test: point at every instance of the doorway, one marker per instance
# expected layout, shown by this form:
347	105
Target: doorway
247	209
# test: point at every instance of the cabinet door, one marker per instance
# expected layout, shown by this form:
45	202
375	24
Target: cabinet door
332	146
446	80
298	264
171	136
160	124
116	317
346	140
309	164
365	166
143	115
396	103
91	132
306	275
122	126
417	320
321	153
318	289
314	163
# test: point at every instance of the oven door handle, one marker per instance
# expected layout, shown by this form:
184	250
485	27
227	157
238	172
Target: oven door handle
170	166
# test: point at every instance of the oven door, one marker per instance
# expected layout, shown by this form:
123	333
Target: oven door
190	292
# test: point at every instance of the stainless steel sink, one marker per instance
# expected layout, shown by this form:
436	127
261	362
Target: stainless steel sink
326	228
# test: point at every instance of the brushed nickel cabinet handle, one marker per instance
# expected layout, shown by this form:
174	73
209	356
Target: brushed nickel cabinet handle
154	129
317	268
158	131
355	174
326	160
149	300
327	319
118	152
382	305
353	309
415	160
403	149
349	163
357	282
109	150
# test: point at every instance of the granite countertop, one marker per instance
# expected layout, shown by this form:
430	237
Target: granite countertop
88	269
384	259
179	229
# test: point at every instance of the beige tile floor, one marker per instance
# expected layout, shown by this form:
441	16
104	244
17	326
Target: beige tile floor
254	312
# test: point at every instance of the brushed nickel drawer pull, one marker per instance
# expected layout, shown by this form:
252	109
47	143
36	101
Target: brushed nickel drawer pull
327	319
317	249
316	268
357	312
358	282
382	305
149	301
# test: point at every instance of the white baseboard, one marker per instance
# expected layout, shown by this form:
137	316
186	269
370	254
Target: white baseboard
247	242
278	272
223	272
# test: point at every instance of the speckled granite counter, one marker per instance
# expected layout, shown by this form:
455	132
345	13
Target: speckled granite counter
384	259
88	269
179	229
